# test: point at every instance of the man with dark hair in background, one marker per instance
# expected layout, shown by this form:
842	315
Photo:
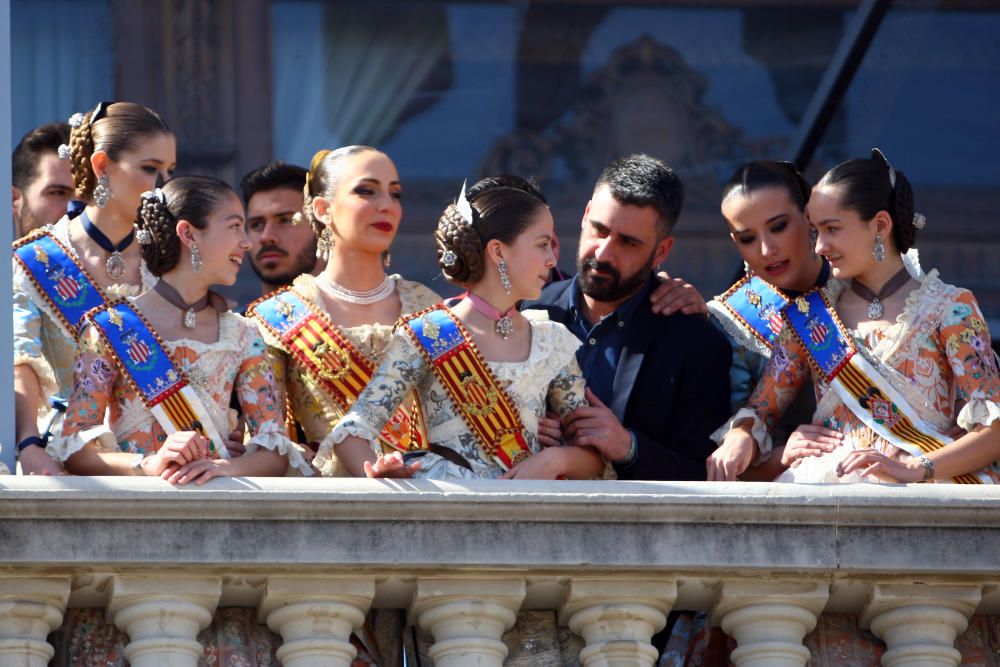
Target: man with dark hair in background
42	182
283	246
658	384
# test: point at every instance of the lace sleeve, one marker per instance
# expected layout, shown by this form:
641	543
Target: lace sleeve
261	397
402	369
966	341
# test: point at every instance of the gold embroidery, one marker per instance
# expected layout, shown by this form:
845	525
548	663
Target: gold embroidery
802	305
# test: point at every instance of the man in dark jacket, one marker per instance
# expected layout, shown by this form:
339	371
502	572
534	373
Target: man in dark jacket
658	384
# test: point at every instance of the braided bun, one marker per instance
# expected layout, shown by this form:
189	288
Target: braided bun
164	252
904	232
81	147
454	234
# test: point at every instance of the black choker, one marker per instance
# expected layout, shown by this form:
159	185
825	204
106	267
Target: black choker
190	309
875	307
115	266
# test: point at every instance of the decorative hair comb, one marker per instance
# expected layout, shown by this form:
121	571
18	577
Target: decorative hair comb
463	206
885	160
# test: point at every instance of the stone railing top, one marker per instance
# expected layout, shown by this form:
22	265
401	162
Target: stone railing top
693	533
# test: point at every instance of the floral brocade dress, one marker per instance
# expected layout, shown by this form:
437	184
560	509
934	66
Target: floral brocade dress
41	341
936	354
237	359
313	408
549	377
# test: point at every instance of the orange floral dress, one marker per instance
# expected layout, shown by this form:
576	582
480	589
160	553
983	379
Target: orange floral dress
937	355
104	407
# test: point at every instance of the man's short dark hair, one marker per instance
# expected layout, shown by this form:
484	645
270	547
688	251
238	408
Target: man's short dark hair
32	147
272	176
641	180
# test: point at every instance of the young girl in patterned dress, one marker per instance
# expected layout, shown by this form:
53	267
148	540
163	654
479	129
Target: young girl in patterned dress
926	338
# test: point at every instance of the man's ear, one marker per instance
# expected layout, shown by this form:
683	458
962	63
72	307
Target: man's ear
663	247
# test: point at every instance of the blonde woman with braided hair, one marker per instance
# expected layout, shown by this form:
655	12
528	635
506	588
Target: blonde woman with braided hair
116	151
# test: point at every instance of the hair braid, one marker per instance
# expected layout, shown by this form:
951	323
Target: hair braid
455	234
164	252
904	232
81	147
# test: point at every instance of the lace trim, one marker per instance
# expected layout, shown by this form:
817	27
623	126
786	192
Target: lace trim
63	447
978	412
351	424
736	331
758	431
278	442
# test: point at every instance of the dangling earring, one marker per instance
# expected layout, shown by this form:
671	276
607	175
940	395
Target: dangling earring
504	276
324	244
747	270
195	257
813	238
879	250
386	260
102	193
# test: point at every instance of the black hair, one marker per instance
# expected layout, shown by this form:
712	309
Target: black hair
504	181
870	185
191	198
501	213
762	174
642	180
272	176
111	127
31	148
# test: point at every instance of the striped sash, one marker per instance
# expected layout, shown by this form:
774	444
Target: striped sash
58	277
163	388
858	383
487	409
340	369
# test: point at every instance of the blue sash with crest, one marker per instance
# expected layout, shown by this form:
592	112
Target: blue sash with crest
858	382
60	280
753	308
151	372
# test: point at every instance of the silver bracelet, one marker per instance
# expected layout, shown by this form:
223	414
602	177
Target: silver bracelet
137	460
633	450
928	468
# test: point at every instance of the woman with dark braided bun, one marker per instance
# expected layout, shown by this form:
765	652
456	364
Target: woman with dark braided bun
499	247
117	151
921	365
192	236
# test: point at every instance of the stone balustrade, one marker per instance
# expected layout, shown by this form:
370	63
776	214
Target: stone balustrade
612	558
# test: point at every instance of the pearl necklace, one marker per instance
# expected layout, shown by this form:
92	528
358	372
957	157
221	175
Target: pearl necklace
362	298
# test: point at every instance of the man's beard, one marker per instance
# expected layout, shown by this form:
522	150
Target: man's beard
27	221
304	263
611	286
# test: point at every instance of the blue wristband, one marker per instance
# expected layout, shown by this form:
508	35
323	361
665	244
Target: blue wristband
30	441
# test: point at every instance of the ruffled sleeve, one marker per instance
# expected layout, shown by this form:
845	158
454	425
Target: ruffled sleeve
28	336
566	389
94	376
786	372
261	398
402	369
966	341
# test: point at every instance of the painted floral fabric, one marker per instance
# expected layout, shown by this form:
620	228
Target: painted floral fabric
105	408
936	354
